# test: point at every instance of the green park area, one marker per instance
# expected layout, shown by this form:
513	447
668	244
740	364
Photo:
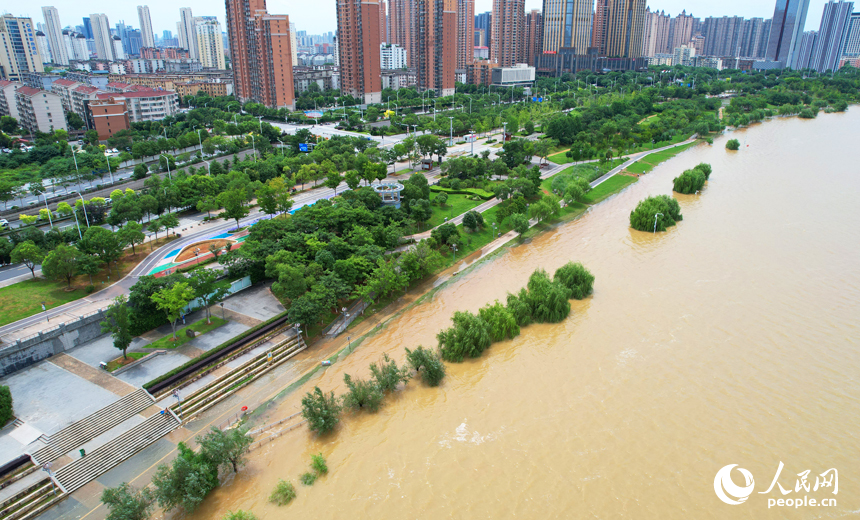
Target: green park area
182	337
25	298
455	205
606	188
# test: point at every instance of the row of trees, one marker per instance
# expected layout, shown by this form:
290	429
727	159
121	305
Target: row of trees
544	300
323	411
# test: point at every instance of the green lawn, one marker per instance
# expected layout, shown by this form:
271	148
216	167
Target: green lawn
590	171
120	362
456	205
199	327
648	163
606	188
25	298
560	158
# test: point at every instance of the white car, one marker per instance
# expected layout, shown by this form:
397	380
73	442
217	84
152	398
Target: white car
4	224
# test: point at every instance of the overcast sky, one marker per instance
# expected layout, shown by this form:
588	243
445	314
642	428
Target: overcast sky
318	16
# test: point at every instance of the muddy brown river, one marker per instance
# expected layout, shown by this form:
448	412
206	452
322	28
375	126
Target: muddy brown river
730	339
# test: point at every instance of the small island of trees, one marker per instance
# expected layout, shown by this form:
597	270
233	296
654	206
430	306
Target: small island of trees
692	180
656	214
733	144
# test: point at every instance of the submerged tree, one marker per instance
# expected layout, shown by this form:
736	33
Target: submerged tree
427	364
503	324
468	337
321	411
548	300
576	278
362	394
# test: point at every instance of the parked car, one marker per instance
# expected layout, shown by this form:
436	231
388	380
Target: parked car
107	201
4	224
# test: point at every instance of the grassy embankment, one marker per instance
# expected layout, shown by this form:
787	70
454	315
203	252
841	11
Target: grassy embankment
25	298
649	162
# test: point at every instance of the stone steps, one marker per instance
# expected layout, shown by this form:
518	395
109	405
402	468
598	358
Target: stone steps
93	425
99	461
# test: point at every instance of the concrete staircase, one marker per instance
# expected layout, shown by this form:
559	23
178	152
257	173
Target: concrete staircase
93	425
31	501
74	475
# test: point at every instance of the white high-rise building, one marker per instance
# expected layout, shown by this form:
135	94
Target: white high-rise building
210	44
42	44
392	56
186	29
180	35
147	38
54	33
118	51
102	37
294	45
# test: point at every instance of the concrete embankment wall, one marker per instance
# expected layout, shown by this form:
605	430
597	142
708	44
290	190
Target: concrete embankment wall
31	350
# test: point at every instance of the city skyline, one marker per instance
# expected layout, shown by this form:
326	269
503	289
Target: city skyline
321	17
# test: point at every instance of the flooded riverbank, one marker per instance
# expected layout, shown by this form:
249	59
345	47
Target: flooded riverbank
730	339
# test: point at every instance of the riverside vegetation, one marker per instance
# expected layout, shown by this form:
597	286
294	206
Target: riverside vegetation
692	180
656	214
543	300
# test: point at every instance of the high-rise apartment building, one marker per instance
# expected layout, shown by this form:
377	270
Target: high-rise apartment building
19	53
102	37
437	54
723	36
260	54
146	35
118	51
383	22
807	47
534	36
359	46
403	23
832	34
186	28
851	46
294	45
88	29
54	32
465	32
682	29
42	45
567	23
657	38
599	25
507	44
625	28
484	22
751	37
210	45
786	32
392	57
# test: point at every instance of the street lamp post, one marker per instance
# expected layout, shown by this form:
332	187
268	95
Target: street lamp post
49	211
451	121
168	165
84	205
254	147
260	120
110	172
655	221
208	168
454	250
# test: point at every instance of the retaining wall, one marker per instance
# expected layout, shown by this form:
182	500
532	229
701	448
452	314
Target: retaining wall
31	350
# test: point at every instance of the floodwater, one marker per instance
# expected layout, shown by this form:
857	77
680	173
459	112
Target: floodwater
730	339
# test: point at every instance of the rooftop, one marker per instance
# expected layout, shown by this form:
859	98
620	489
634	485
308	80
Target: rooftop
28	91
